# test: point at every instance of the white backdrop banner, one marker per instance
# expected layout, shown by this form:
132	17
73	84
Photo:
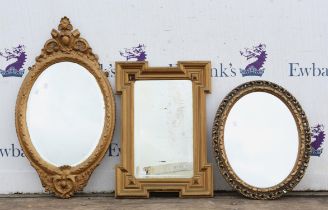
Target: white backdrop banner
286	41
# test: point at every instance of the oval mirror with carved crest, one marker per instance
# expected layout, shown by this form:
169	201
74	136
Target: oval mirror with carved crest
261	138
65	112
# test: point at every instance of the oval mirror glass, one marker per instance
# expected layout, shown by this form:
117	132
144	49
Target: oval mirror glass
261	139
65	114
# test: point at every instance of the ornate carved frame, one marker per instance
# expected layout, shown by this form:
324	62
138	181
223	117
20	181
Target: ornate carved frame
304	140
201	184
65	45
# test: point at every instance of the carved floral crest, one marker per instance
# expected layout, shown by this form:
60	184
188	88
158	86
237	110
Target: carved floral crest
66	40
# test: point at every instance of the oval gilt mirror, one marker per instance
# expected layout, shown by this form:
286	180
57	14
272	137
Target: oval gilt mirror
262	140
65	112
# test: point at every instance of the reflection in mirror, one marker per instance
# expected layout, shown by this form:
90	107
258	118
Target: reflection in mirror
163	129
261	139
65	114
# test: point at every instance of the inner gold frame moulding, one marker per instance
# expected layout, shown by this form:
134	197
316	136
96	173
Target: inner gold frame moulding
201	184
65	45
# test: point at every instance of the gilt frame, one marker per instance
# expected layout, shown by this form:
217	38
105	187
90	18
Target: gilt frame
201	184
301	121
65	45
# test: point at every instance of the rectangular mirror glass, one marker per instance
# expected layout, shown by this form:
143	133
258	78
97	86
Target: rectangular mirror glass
163	128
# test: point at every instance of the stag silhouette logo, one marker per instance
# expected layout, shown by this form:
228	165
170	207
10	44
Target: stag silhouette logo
257	55
138	53
318	137
17	57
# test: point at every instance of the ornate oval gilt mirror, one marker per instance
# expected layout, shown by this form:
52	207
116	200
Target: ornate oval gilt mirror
261	138
65	112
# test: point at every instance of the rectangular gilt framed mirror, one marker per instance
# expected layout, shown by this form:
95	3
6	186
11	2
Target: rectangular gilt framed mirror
163	136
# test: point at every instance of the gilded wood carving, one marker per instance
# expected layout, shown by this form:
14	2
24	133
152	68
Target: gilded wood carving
201	184
65	45
302	160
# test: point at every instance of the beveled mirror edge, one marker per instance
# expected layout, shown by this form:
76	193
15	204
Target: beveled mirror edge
301	121
65	45
201	184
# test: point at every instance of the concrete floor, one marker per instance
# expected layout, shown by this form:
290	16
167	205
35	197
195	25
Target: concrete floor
221	201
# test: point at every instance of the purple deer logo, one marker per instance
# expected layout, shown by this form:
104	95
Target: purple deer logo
138	53
14	69
254	68
318	135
